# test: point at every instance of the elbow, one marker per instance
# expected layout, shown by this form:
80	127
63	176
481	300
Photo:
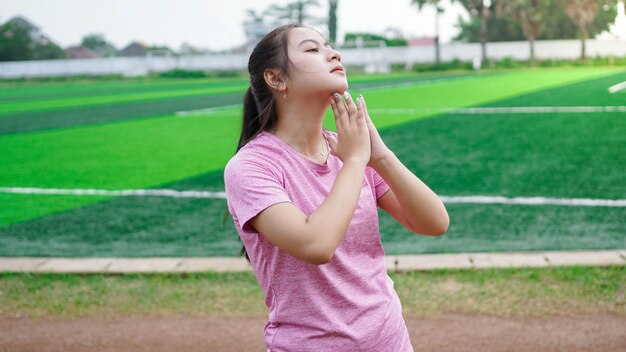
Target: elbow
319	256
437	228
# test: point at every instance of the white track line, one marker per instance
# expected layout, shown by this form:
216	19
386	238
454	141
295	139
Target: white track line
126	192
222	195
616	88
486	110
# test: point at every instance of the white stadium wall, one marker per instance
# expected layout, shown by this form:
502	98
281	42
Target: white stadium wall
375	59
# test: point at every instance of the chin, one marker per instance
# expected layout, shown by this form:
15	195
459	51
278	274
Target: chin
341	87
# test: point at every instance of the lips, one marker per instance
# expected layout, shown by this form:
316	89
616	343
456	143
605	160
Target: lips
337	68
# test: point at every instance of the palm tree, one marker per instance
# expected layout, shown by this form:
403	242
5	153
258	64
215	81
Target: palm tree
295	11
583	13
332	20
530	14
481	8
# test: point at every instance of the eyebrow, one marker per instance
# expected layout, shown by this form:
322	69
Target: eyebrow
314	41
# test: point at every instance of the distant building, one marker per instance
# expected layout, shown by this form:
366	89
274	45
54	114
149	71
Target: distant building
133	49
80	52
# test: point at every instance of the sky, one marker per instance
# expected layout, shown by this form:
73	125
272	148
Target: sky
211	24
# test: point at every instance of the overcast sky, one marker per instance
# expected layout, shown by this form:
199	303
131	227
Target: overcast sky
211	24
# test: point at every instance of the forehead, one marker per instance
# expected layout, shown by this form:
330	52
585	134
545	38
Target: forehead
297	35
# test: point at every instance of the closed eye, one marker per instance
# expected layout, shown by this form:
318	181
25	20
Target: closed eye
313	49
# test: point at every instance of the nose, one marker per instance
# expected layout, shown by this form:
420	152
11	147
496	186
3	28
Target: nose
335	54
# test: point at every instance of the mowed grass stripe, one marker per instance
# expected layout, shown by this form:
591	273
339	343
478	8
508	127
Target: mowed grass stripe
7	108
94	88
73	117
593	92
129	154
34	89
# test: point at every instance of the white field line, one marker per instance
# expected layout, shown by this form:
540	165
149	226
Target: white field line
616	88
457	111
504	110
126	192
222	195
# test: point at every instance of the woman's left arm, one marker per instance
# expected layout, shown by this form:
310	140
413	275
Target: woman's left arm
409	198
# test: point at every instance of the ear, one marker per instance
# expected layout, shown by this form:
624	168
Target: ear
274	79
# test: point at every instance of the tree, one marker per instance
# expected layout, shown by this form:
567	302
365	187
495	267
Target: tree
15	43
499	29
19	41
332	21
438	9
583	14
371	40
295	11
98	44
530	14
477	8
557	25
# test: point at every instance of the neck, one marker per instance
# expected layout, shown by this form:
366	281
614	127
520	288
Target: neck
300	122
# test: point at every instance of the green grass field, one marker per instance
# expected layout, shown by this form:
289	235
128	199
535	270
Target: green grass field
127	135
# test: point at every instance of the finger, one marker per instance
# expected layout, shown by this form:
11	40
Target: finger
350	104
333	105
343	111
361	117
360	112
367	115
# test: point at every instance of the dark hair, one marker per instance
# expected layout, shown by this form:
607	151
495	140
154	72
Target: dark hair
259	104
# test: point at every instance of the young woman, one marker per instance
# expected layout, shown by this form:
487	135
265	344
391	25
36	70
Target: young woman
304	202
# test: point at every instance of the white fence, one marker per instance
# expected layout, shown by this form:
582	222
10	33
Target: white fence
375	59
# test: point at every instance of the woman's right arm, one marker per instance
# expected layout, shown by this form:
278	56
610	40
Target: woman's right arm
315	238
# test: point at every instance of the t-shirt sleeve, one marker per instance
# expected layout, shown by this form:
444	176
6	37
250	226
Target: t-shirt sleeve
379	184
251	187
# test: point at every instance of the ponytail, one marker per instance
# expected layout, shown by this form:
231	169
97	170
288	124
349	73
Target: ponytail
259	103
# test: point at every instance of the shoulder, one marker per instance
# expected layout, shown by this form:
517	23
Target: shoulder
254	163
260	150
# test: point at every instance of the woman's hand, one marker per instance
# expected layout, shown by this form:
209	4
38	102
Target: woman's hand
379	150
353	137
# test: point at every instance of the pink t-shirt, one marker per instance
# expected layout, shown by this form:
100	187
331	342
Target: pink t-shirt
347	304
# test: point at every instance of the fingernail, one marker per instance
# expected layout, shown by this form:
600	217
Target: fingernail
358	101
336	95
346	95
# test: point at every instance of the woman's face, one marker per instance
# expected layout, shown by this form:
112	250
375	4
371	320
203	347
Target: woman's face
313	63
